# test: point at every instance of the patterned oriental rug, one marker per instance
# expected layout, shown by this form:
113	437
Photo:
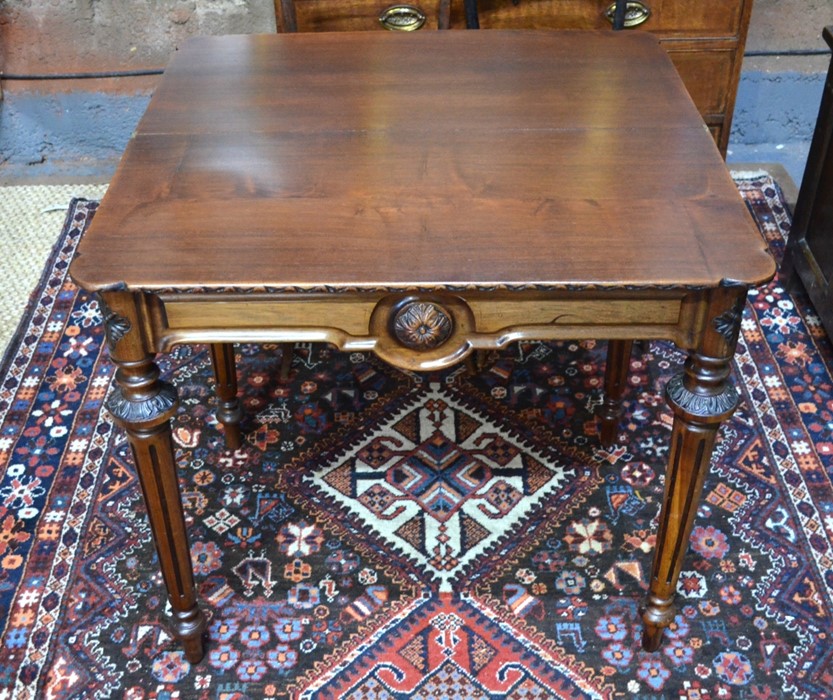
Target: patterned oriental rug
393	535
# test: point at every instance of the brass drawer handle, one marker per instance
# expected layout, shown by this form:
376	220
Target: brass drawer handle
402	18
635	13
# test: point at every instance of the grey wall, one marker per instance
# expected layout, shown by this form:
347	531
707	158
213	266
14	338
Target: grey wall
74	35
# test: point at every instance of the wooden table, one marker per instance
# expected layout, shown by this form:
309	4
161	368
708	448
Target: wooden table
421	196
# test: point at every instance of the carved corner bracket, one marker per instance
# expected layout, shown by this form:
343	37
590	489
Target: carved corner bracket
115	326
728	323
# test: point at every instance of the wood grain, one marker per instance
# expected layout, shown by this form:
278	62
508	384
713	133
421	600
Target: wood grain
496	174
711	33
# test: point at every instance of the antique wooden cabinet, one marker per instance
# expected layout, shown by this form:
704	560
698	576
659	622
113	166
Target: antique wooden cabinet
705	38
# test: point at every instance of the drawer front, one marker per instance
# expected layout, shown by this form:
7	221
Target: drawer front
718	134
362	15
707	76
713	18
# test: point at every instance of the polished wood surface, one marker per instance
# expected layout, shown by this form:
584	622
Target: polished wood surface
493	174
705	38
331	189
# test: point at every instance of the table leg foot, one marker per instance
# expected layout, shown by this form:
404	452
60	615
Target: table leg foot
652	637
190	628
616	379
229	411
657	614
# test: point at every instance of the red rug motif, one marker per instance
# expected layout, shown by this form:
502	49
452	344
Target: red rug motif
392	535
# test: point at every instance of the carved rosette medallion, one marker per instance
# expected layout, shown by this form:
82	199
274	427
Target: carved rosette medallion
422	325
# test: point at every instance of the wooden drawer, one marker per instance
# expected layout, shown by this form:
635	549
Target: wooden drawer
707	76
355	15
669	18
700	18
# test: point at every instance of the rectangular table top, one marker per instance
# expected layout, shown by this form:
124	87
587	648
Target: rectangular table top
437	159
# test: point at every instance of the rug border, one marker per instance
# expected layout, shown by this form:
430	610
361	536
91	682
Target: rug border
66	235
13	346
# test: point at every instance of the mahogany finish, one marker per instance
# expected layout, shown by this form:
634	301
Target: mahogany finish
330	188
705	38
466	161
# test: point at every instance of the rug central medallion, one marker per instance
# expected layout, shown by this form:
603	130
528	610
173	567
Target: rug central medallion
439	475
441	483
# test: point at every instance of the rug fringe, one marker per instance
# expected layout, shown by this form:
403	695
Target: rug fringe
748	174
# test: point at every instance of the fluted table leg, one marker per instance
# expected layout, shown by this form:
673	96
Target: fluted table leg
142	404
701	397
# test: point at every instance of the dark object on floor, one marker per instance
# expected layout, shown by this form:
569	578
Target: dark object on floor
809	256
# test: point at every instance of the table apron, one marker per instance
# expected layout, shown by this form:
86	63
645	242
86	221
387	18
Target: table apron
366	323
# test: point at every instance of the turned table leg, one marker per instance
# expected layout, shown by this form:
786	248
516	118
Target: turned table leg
229	411
142	404
616	378
286	361
701	397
